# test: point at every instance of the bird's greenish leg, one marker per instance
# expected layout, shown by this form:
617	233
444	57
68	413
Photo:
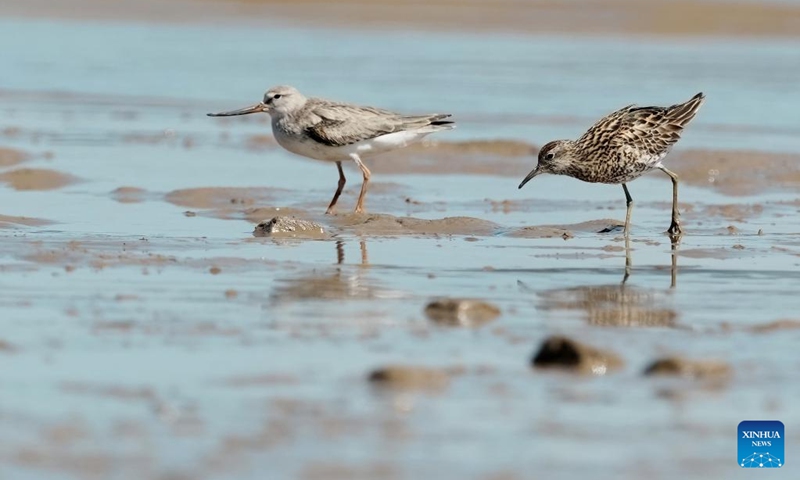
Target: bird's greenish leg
628	261
675	225
629	204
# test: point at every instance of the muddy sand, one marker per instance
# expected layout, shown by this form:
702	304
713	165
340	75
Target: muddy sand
535	17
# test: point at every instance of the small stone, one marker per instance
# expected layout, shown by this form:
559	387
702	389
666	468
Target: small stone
410	378
231	294
461	312
289	227
681	367
214	270
567	354
189	213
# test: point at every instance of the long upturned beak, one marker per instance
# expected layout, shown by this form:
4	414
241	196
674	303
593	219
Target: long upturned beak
258	107
530	176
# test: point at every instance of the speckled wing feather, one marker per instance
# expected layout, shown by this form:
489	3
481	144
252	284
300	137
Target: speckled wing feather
343	124
641	131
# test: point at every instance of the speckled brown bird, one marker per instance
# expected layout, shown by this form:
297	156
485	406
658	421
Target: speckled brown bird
622	147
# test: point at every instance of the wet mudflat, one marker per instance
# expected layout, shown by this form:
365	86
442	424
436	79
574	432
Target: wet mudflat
146	332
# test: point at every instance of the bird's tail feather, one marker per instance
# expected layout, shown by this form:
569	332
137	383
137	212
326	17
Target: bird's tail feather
434	122
441	123
683	113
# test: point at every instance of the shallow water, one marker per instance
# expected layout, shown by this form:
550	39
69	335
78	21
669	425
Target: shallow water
144	343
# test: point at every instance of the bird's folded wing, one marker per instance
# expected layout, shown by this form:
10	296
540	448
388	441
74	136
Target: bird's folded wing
644	129
341	124
648	130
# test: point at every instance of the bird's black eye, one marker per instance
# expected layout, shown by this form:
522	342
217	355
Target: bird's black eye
276	96
549	156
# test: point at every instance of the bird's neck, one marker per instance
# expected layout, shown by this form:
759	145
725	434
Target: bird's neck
284	123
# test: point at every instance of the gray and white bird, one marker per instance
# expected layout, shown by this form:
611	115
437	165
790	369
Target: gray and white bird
622	147
336	132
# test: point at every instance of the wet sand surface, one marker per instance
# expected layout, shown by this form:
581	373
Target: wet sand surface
461	329
674	18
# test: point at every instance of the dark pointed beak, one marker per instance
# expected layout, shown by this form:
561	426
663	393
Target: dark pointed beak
259	107
530	176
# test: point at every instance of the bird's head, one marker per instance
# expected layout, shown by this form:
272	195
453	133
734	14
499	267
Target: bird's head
280	100
555	158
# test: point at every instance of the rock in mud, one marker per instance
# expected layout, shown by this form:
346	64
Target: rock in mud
461	312
289	227
410	378
682	367
570	355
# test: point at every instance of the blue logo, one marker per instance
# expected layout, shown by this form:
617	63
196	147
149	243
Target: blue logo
761	444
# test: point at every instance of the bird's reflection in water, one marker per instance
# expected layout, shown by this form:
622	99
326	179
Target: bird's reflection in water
617	304
612	305
335	283
340	252
674	242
